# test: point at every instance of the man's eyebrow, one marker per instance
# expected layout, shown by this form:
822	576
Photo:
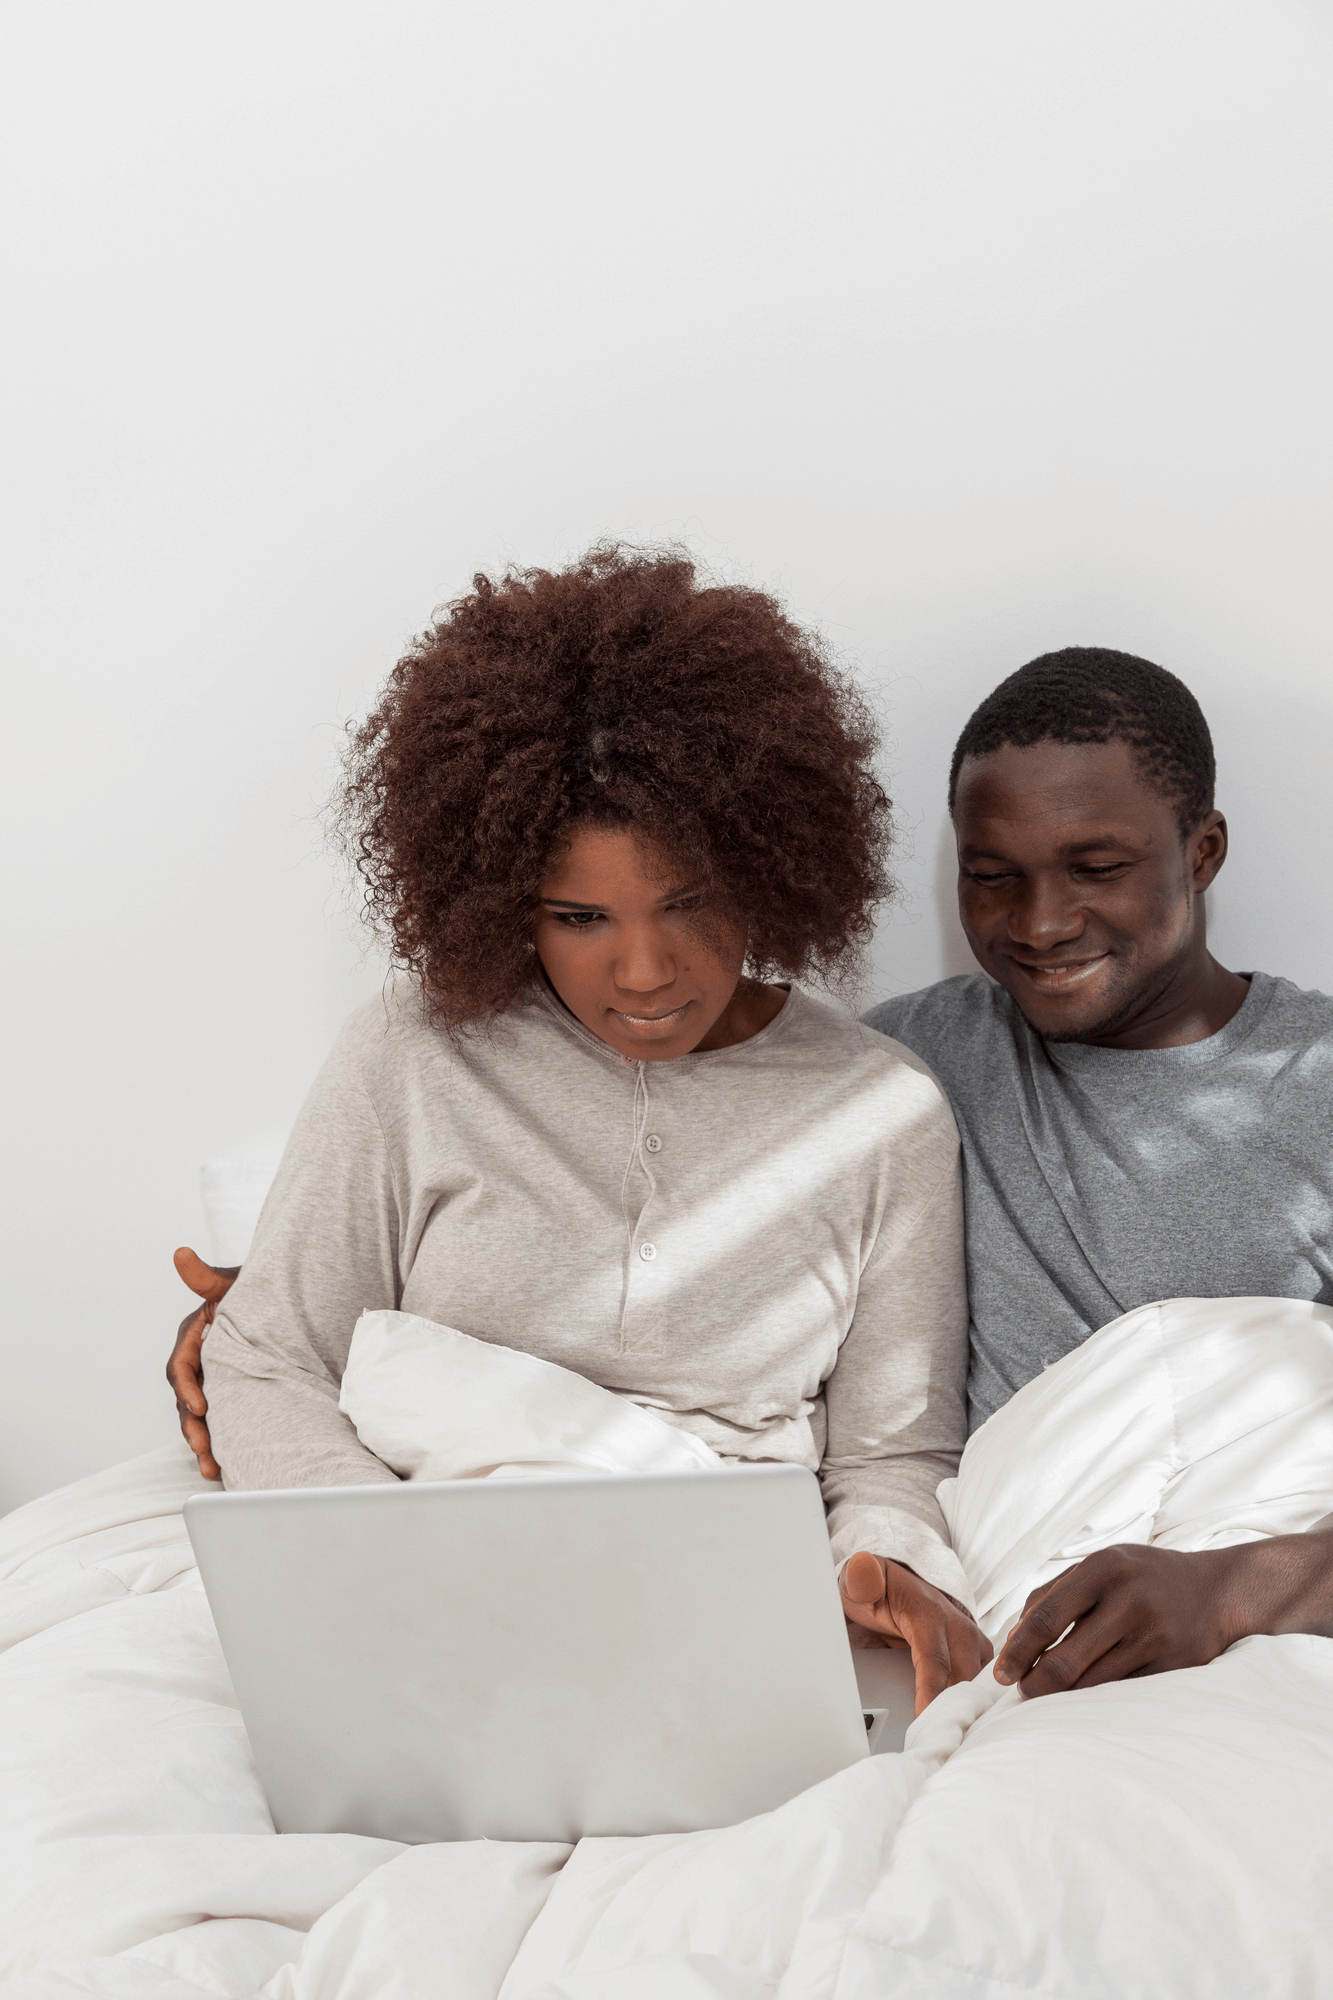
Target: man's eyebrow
1102	840
1098	844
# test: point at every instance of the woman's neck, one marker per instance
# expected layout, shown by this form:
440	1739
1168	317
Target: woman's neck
751	1007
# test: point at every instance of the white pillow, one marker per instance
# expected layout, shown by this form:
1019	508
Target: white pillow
437	1404
233	1193
1191	1423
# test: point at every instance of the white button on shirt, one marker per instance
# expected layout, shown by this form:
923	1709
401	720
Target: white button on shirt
653	1143
647	1251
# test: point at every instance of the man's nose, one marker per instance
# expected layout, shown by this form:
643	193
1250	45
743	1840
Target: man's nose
1045	912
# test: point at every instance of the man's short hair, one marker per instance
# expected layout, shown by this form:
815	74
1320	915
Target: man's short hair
1091	694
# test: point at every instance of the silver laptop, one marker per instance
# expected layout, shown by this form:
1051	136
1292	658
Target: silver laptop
542	1658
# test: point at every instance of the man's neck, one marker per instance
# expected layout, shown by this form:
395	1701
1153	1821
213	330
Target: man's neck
1196	1003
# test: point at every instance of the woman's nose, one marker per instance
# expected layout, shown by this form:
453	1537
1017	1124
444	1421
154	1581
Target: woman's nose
644	963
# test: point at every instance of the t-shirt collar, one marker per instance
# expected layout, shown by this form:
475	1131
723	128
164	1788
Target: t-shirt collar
1087	1056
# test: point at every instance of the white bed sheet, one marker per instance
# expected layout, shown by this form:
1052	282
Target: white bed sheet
1166	1836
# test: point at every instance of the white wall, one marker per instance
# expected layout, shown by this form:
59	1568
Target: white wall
974	328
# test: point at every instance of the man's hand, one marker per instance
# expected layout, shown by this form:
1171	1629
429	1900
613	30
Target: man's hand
185	1368
1137	1610
892	1603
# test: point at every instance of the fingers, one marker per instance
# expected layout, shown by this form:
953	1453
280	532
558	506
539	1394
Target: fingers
969	1649
1084	1628
946	1643
932	1659
863	1601
1127	1610
863	1579
198	1275
1048	1613
209	1281
894	1603
1121	1661
185	1364
195	1433
185	1370
1095	1651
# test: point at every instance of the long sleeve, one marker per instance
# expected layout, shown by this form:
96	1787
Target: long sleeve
325	1250
894	1402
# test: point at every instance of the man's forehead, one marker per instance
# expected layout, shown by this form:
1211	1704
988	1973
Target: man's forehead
1074	796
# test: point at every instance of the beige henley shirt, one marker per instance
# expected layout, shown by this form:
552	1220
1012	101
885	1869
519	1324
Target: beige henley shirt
763	1244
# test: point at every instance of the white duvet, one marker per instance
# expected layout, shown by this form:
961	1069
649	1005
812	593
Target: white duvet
1166	1836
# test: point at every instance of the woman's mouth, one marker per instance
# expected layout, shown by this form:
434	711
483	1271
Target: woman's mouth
651	1024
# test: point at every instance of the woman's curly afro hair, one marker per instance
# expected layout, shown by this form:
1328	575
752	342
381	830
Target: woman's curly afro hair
622	691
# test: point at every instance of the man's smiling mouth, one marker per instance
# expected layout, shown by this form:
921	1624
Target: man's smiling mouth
1060	976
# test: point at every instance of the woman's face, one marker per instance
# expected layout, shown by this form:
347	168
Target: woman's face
622	944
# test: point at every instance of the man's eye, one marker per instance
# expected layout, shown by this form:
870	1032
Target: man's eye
989	881
1110	868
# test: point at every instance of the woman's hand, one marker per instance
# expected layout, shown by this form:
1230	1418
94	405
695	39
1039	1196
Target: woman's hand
185	1368
898	1609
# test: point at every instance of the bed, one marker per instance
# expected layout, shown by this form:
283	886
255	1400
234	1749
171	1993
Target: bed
1165	1836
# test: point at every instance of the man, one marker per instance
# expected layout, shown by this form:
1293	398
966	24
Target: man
1138	1122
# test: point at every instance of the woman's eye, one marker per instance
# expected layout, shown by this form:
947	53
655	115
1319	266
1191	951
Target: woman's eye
577	920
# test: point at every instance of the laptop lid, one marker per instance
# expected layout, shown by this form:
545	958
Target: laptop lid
533	1659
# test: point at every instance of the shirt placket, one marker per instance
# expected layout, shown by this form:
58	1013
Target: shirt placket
643	1271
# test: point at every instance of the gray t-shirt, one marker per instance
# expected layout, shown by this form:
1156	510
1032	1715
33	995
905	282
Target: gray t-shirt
1097	1180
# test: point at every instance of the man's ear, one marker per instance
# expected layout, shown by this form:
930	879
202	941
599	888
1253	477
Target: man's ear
1205	851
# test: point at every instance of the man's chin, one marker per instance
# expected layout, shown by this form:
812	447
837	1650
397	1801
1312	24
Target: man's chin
1064	1032
1072	1017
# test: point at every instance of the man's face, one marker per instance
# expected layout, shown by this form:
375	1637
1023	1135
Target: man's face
1076	888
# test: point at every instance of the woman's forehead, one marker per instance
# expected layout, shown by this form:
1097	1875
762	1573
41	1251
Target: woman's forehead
602	864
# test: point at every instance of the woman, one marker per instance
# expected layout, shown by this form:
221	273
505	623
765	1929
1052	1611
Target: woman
595	812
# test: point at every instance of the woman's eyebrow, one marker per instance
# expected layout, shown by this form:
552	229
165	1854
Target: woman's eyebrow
567	903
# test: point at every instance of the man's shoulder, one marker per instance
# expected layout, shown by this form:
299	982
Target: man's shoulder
1299	1012
939	1022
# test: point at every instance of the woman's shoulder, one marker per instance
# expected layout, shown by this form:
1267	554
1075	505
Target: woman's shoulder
869	1062
391	1037
386	1031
